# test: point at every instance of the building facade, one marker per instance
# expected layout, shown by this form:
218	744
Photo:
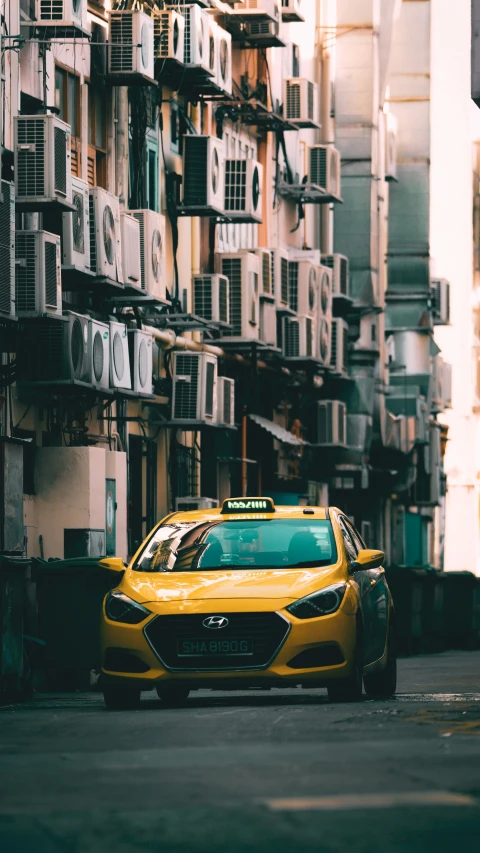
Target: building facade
216	271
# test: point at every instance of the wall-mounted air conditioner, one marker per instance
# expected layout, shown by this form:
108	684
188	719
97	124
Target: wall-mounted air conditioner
140	346
152	252
131	254
304	290
194	387
440	289
42	162
324	168
291	11
265	33
266	273
268	323
63	17
192	503
196	38
211	298
226	401
223	59
243	190
300	101
299	337
331	423
169	35
7	249
130	47
76	230
339	356
38	284
243	272
61	350
203	175
105	248
99	346
325	288
119	356
77	350
340	279
255	10
390	147
280	280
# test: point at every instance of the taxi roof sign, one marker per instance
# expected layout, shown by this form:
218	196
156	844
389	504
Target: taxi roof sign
245	505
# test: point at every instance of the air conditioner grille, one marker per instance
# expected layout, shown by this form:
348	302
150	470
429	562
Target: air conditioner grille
311	101
195	171
235	185
49	365
78	222
98	356
186	391
209	388
25	289
60	147
309	336
121	41
51	10
118	356
334	356
266	273
140	217
294	101
293	285
227	403
93	241
77	348
5	248
162	22
318	166
344	276
51	276
291	338
202	297
31	164
223	300
232	268
345	349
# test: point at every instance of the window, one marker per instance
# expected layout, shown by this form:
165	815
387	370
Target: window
152	172
295	60
67	101
97	142
348	540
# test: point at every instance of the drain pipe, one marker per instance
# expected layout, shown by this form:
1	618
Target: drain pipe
166	339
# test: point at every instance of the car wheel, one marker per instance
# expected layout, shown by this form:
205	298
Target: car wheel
172	694
382	685
121	698
349	689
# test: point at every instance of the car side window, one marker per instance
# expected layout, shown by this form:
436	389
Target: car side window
359	544
350	547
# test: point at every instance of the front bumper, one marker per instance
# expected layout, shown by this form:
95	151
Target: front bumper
310	651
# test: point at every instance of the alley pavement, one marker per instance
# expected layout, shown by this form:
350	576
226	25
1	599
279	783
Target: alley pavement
273	772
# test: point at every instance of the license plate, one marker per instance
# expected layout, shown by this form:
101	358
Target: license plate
213	648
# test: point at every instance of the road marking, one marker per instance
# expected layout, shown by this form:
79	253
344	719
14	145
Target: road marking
347	802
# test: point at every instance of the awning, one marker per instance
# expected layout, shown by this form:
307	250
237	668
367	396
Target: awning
277	431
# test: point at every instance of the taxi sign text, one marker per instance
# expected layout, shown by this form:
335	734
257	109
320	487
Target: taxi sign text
232	505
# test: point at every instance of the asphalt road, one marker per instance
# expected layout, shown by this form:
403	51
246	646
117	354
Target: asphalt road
276	772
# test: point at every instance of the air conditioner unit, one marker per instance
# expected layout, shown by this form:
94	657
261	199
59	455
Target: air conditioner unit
280	279
42	162
191	503
131	254
331	423
60	350
391	147
243	272
169	35
7	249
76	229
226	401
299	337
140	346
152	252
266	273
211	298
324	168
304	295
203	175
268	323
223	59
77	352
265	33
105	251
340	279
196	38
339	357
99	346
255	10
324	341
300	101
291	11
64	17
440	301
325	292
119	356
38	284
130	48
194	395
243	190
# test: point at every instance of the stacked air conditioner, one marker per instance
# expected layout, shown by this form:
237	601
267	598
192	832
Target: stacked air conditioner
324	169
390	147
331	423
440	289
243	190
243	272
196	36
131	253
211	298
130	49
38	286
7	250
62	18
280	280
226	401
152	253
300	101
291	11
76	229
140	351
42	162
300	332
105	233
340	274
339	347
203	176
324	329
222	57
169	35
194	398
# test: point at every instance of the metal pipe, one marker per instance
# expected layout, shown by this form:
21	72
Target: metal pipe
167	339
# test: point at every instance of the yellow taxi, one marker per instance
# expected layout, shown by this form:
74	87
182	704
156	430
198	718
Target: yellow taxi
251	595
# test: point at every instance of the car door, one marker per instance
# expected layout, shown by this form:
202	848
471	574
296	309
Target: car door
361	579
374	603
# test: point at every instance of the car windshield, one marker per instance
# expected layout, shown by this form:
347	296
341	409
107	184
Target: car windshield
243	544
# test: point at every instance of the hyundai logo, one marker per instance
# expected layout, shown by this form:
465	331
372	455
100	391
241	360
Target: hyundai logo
215	622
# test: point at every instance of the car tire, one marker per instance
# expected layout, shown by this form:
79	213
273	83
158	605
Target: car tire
382	685
121	698
349	689
172	694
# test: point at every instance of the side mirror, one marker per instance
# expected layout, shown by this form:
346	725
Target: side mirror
367	559
112	564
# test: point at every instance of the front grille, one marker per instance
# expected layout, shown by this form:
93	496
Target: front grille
186	387
195	171
121	43
30	177
293	106
293	285
60	149
7	224
235	185
25	271
291	338
51	276
318	166
202	297
232	269
266	631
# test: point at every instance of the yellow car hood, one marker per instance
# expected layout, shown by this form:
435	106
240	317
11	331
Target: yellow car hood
244	583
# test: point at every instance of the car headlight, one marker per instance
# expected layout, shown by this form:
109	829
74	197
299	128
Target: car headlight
321	603
120	608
